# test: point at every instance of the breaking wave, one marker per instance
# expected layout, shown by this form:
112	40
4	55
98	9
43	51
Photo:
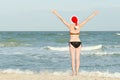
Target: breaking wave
117	34
88	48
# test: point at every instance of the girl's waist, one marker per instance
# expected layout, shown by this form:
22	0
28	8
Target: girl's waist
75	40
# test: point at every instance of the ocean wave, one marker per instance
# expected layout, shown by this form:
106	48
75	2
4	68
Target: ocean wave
17	71
65	73
88	48
117	34
100	53
57	48
13	44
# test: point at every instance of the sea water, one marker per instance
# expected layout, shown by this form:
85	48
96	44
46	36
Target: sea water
39	51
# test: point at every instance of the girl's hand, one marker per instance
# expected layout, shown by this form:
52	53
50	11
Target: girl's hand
96	12
54	11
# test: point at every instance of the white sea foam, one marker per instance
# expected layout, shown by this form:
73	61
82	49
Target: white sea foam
17	52
117	34
88	48
57	48
101	74
17	71
92	73
83	73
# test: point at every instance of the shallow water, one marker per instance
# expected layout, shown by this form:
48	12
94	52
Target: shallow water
48	51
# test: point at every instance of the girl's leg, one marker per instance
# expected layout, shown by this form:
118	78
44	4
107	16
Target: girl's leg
72	54
77	58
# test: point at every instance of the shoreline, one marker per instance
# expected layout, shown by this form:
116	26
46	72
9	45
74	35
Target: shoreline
47	76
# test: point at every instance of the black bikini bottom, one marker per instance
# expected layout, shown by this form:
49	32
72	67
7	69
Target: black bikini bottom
75	44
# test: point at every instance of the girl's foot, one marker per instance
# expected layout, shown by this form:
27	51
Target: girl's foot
73	74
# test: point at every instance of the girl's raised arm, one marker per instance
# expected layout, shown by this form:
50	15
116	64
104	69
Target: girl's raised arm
60	17
90	17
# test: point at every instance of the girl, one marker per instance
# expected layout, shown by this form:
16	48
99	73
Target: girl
75	42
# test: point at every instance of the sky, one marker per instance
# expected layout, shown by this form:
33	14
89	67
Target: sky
35	15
